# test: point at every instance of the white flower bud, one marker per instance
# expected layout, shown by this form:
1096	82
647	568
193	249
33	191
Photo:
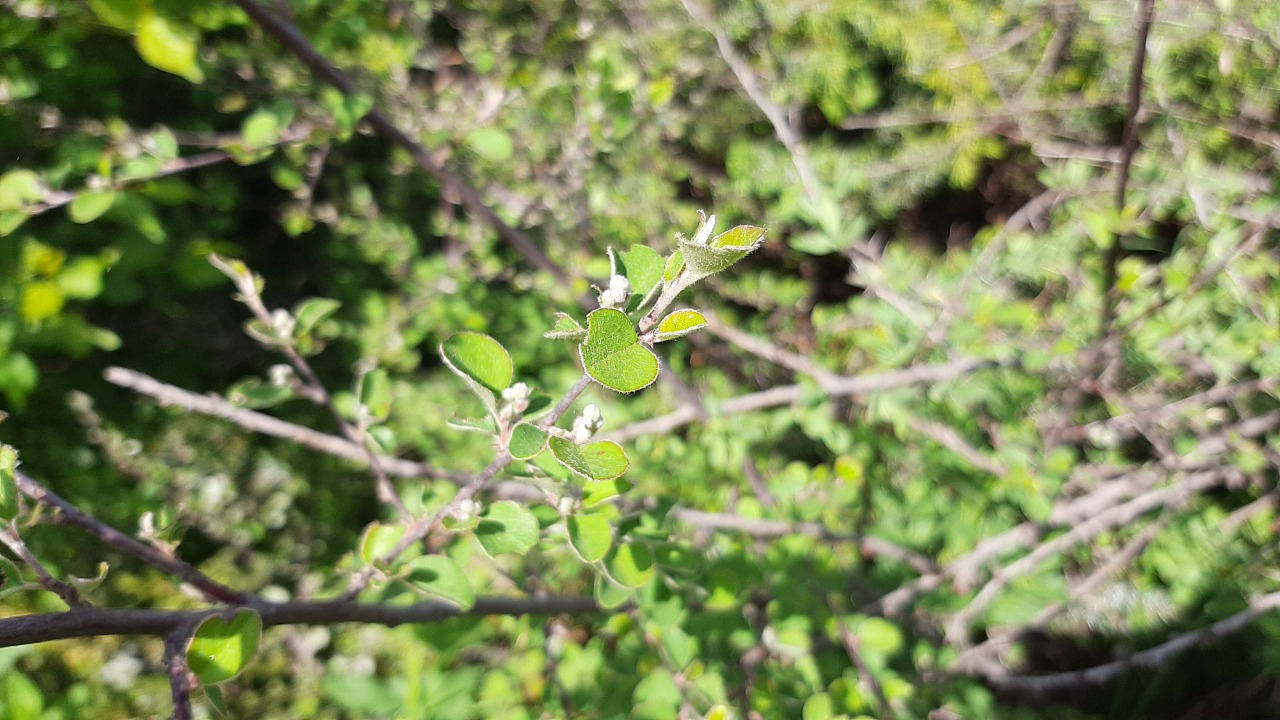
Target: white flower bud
280	375
283	323
617	294
588	423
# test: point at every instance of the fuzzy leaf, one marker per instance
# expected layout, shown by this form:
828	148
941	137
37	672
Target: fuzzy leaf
507	527
565	328
610	595
219	650
480	360
311	311
721	252
675	263
440	577
612	354
602	460
590	535
526	441
597	492
679	324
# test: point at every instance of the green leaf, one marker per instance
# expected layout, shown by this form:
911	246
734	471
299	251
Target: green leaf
19	188
610	595
440	577
679	324
491	144
526	441
480	425
219	650
642	266
479	359
507	527
11	220
597	492
677	559
674	264
630	564
89	206
565	328
612	354
310	312
602	460
8	483
721	252
168	47
253	393
591	535
261	129
681	648
378	540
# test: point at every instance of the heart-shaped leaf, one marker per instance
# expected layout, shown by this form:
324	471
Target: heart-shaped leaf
679	324
590	535
219	650
440	577
507	527
481	361
721	252
602	460
612	354
526	441
630	565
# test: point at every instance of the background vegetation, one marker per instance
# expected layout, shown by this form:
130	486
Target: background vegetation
987	427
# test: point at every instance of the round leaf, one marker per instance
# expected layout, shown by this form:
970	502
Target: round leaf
440	577
478	358
491	144
89	206
609	594
221	649
526	441
590	535
612	354
630	565
679	324
168	47
507	527
602	460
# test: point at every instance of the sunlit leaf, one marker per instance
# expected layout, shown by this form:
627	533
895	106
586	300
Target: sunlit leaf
220	649
612	354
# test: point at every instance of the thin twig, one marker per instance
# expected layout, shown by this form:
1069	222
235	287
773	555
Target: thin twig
1146	13
170	565
11	539
95	622
175	657
852	647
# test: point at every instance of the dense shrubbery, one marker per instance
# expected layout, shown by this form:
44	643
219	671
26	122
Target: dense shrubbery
987	427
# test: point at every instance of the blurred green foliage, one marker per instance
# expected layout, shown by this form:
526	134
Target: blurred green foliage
978	141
